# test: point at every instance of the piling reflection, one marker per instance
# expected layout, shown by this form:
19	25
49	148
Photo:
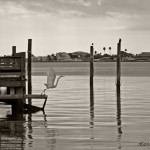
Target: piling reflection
29	130
119	117
12	135
91	106
92	111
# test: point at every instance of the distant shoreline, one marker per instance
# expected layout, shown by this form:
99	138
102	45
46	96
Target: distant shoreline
82	61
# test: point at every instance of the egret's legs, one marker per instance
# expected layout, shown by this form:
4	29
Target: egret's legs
43	92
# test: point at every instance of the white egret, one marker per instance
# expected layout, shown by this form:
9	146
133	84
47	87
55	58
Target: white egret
51	76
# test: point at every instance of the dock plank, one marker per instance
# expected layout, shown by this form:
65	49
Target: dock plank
21	96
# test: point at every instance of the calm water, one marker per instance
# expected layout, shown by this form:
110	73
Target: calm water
74	120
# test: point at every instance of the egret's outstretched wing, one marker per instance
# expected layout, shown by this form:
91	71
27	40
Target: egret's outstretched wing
50	78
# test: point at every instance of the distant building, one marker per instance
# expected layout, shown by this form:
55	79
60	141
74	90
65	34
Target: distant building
44	58
128	58
106	58
63	56
145	56
80	54
39	59
33	58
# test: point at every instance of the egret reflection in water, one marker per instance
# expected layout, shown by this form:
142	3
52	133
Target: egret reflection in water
51	76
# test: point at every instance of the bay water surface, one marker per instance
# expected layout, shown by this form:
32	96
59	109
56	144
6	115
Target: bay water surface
75	120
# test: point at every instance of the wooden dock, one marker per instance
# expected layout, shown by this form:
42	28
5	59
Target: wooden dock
13	79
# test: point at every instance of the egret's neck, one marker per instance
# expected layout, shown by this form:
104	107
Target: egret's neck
57	81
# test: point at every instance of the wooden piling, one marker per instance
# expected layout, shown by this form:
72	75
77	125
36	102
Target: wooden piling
91	64
13	50
29	69
19	61
118	84
91	74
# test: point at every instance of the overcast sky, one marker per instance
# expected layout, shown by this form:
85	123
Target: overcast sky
73	25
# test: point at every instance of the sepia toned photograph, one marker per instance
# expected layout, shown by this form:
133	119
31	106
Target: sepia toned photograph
74	74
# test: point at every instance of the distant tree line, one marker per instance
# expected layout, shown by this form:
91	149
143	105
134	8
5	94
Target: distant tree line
82	56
